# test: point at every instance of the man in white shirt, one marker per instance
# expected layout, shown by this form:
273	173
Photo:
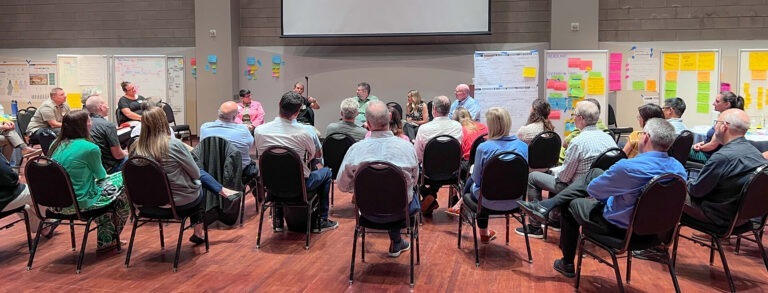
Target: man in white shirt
439	126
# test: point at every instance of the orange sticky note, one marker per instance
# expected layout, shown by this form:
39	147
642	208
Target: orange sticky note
650	85
703	76
671	76
758	74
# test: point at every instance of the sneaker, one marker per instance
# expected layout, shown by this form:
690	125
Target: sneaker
453	211
396	248
325	225
533	232
564	269
552	225
487	239
652	254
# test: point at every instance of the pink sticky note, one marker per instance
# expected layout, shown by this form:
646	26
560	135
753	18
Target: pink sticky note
585	65
550	83
614	76
193	61
554	115
725	87
561	85
614	66
614	85
616	57
574	62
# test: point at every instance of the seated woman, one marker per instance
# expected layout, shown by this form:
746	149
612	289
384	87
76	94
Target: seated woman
646	111
700	152
81	159
249	112
416	114
157	143
131	105
395	124
538	121
499	140
470	130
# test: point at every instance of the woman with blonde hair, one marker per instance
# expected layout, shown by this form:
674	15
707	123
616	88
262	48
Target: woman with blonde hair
416	113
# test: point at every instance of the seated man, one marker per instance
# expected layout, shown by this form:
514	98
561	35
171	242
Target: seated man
441	125
10	139
307	112
616	192
284	131
673	110
48	117
347	124
580	155
714	195
104	135
237	134
382	146
600	125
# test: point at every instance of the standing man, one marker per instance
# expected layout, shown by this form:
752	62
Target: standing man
237	134
363	97
283	131
673	109
249	112
131	104
104	135
347	124
464	100
382	146
306	115
48	117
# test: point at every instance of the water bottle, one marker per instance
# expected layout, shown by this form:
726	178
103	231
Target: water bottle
14	107
2	110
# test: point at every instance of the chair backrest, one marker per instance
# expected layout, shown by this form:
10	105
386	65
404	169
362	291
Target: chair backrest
381	190
24	117
544	150
505	177
753	202
659	207
442	158
681	146
608	158
611	117
146	184
335	147
168	113
49	185
398	107
282	173
473	150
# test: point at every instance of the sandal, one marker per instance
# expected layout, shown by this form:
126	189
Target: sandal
112	245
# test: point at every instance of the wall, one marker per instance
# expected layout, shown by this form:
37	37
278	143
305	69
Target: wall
682	20
96	23
512	21
566	12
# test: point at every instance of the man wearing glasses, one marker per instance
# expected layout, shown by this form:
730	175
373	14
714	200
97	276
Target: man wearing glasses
673	109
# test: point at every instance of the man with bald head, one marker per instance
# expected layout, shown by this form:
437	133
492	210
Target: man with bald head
714	195
104	134
464	100
237	134
382	145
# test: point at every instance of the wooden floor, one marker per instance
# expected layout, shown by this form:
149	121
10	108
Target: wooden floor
235	264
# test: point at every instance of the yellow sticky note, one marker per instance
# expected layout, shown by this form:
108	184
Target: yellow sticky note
758	74
688	61
707	61
671	76
758	60
650	85
529	72
73	100
703	76
672	62
596	86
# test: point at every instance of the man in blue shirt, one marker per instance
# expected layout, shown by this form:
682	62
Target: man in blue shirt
237	134
464	100
616	192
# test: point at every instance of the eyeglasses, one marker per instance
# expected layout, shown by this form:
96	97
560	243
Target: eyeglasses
721	121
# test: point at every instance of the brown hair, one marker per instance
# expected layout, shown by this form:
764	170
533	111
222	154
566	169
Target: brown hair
73	126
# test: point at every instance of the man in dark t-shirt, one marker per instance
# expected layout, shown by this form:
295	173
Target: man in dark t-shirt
104	134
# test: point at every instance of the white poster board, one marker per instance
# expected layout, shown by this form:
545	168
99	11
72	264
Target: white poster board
507	79
80	74
175	92
147	73
694	76
27	83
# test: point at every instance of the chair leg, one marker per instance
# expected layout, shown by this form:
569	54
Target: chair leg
333	184
674	249
629	265
309	227
738	244
178	245
759	240
354	251
261	223
82	246
130	243
418	253
29	232
616	271
162	235
712	250
242	207
725	264
205	231
580	255
410	230
362	244
671	271
507	218
527	241
461	219
34	245
72	234
474	235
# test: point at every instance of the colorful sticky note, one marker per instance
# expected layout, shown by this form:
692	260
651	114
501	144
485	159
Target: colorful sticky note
193	61
574	62
550	83
703	76
594	74
758	74
725	87
670	94
575	76
554	115
702	108
758	60
614	76
702	98
586	65
689	61
707	61
561	85
650	85
574	84
670	85
614	85
704	87
276	59
212	58
614	66
671	76
596	86
214	67
529	72
672	62
616	57
557	77
576	92
638	85
250	60
207	67
258	62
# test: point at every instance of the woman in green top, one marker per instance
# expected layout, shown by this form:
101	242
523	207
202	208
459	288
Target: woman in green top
81	158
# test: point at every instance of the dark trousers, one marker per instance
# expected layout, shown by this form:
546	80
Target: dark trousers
582	212
577	189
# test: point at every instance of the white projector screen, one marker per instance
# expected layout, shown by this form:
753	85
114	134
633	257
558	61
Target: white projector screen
318	18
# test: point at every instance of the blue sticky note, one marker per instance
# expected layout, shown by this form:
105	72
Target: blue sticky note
246	73
258	62
212	58
213	71
250	60
276	59
207	67
250	78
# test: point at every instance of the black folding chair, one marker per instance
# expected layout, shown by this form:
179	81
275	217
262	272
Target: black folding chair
544	150
681	146
752	204
381	189
25	218
23	118
608	158
442	165
335	147
149	192
472	152
505	177
50	186
613	127
653	223
178	130
283	177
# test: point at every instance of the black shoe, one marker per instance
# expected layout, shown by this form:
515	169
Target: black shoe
325	225
51	229
533	232
652	254
396	248
196	240
553	225
277	224
534	209
564	269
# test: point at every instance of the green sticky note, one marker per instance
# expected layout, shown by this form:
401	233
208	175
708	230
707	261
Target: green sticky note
670	94
574	84
670	85
704	87
557	77
575	76
556	95
595	74
638	85
576	92
702	98
702	108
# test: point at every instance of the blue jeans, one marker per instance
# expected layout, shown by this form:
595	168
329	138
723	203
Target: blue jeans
320	181
209	182
119	166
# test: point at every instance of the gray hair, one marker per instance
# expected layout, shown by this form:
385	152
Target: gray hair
377	115
349	108
227	116
588	111
93	102
441	105
676	104
735	122
662	133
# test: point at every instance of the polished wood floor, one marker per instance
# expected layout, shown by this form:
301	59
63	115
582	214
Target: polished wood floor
234	264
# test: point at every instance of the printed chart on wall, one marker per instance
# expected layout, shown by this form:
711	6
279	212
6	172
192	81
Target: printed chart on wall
694	76
176	87
642	71
507	79
80	74
753	65
573	76
147	73
29	84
